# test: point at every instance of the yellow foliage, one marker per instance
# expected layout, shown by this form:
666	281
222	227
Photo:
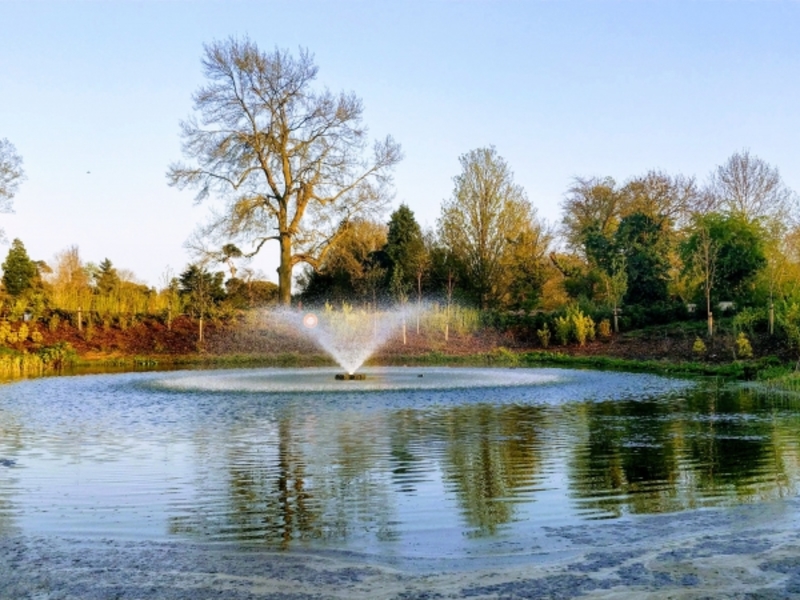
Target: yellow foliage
743	347
699	346
544	336
604	328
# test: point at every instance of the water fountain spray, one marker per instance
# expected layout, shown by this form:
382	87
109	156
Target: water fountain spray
348	335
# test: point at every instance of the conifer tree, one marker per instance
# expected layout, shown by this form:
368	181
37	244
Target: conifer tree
19	271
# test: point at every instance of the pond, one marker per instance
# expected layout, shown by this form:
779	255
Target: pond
412	462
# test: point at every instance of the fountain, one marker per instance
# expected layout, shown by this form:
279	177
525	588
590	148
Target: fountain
349	336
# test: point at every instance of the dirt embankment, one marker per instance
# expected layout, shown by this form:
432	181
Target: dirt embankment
246	335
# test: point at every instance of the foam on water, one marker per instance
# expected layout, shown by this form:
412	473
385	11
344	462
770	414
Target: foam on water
377	379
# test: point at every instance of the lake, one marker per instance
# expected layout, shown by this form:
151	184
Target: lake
411	463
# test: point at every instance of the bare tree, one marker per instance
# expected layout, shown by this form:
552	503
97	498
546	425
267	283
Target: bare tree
11	175
590	203
660	196
287	159
750	187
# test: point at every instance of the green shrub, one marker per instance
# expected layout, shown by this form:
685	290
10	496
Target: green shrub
743	347
563	329
699	347
604	328
57	355
581	325
544	336
503	356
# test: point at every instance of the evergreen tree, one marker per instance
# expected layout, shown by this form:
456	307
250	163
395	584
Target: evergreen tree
405	248
107	278
201	286
19	271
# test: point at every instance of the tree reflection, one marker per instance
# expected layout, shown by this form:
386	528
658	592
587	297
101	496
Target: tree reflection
492	454
10	446
344	475
732	448
711	447
407	466
307	481
627	457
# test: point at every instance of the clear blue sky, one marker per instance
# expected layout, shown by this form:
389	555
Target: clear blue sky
562	89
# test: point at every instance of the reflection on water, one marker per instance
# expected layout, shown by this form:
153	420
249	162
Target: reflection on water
393	472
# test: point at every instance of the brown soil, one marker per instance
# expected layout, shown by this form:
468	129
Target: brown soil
152	338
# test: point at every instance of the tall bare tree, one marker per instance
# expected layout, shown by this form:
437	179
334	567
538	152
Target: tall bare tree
11	175
288	160
751	188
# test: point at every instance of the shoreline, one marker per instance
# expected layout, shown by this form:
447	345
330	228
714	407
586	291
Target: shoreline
748	551
500	357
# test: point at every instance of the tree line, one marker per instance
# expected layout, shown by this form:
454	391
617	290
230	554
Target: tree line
659	244
81	292
289	162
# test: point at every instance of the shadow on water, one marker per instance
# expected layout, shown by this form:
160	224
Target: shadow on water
385	472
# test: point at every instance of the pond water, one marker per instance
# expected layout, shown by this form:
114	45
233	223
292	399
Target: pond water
413	462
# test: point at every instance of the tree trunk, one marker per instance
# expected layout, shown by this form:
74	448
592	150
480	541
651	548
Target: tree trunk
771	318
285	271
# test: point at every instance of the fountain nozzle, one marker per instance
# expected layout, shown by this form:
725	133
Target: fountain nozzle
350	376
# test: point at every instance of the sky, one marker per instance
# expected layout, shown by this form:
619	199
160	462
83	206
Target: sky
92	94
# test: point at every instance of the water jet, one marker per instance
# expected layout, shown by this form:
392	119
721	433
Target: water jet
350	336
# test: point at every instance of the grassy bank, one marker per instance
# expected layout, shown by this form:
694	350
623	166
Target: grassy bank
761	369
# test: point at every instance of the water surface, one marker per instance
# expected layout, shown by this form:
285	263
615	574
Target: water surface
412	462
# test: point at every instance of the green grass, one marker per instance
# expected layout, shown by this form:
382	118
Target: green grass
503	357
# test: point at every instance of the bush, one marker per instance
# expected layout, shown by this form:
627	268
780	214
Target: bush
743	347
544	336
563	329
748	319
503	356
57	355
638	316
699	347
604	328
581	325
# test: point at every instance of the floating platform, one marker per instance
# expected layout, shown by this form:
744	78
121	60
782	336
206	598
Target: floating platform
350	376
